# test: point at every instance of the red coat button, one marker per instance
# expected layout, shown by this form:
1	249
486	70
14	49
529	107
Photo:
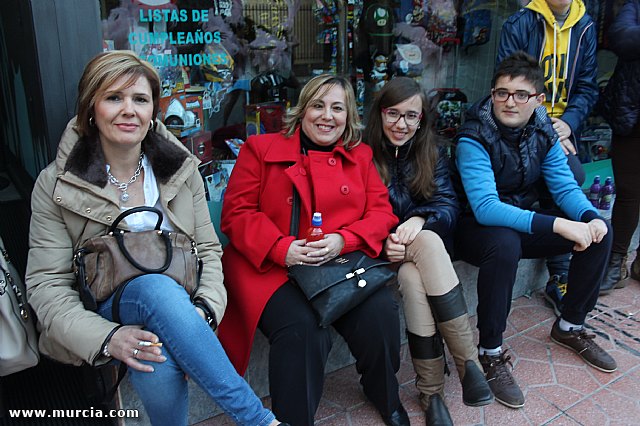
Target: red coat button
344	189
332	161
303	172
290	201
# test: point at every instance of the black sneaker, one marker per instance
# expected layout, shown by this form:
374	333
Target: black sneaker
504	387
555	291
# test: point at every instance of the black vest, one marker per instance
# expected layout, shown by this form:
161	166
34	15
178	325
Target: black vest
517	165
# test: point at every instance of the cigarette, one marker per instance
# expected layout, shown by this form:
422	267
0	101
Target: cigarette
144	343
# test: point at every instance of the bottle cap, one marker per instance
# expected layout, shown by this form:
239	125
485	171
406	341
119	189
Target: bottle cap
317	219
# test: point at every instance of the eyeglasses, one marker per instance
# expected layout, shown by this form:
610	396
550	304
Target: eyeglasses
391	115
519	96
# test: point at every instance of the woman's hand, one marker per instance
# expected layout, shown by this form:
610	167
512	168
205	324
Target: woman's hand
297	253
125	345
393	249
315	253
201	313
408	230
325	249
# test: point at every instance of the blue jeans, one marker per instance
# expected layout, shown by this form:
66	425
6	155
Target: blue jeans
163	307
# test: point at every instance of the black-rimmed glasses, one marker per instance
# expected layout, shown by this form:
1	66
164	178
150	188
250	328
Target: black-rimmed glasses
519	96
391	115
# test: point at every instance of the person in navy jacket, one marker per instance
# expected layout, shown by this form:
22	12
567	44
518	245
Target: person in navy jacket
621	107
416	172
562	37
506	146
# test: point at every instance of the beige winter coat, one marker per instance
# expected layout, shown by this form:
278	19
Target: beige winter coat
72	202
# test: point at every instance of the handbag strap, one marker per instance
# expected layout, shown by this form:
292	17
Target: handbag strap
168	251
21	298
119	237
295	213
121	216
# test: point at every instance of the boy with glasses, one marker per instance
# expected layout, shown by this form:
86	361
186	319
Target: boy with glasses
562	36
505	147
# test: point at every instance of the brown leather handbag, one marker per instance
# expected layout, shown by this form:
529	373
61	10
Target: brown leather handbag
108	262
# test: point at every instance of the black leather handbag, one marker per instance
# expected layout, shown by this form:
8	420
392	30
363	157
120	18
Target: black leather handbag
341	284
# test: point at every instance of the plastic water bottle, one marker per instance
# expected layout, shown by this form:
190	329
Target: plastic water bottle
606	195
315	231
594	192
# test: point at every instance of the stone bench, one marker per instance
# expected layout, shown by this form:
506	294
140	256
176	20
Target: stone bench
531	276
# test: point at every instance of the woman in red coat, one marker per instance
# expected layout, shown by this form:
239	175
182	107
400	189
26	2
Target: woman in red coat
319	154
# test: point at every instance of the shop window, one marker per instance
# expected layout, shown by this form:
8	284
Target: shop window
230	68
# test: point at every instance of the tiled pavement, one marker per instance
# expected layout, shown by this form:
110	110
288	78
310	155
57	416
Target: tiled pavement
559	388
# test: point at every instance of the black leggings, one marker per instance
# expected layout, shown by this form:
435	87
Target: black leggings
625	157
299	351
497	250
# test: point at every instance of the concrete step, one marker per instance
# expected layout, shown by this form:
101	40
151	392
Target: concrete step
532	275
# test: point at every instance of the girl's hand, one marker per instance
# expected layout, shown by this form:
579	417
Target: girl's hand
408	230
393	249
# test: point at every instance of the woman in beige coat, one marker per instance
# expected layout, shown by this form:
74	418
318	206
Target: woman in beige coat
112	157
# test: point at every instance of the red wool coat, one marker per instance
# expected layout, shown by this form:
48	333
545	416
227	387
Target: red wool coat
256	215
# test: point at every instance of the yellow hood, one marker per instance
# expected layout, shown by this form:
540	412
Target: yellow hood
576	11
556	55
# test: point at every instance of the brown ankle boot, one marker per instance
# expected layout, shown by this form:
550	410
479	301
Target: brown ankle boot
634	273
616	274
450	312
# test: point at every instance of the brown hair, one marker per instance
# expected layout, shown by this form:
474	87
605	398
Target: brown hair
424	146
520	64
102	72
317	87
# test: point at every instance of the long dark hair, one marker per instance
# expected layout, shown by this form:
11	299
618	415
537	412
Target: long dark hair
424	150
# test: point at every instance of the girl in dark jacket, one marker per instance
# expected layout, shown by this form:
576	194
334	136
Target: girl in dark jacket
416	174
621	108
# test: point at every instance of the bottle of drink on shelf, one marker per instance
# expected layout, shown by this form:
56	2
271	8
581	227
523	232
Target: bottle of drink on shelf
315	231
594	192
606	194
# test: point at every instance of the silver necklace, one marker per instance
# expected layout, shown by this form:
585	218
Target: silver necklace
123	186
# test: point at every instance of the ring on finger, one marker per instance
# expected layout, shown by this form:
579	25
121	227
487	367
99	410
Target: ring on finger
135	353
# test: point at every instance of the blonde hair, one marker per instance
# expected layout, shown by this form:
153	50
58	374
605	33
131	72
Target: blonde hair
316	88
101	73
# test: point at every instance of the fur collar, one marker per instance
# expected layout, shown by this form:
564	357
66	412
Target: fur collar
86	159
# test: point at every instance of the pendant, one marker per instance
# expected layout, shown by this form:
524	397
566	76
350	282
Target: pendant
124	197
